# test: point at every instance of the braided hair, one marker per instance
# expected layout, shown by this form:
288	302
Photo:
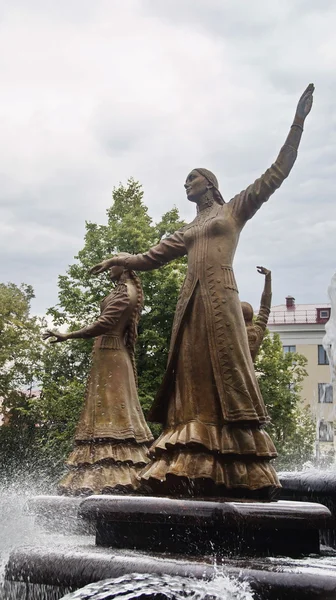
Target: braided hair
132	327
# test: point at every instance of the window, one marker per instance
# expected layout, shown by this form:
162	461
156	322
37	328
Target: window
289	349
322	315
322	356
325	393
326	431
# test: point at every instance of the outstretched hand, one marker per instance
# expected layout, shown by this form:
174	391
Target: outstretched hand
109	262
263	271
101	267
305	103
59	337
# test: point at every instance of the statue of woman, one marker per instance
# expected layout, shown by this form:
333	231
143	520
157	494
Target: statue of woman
256	329
213	416
112	437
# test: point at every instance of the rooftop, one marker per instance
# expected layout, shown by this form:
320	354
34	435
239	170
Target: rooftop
284	314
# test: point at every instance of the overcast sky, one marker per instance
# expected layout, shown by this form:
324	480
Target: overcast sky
96	91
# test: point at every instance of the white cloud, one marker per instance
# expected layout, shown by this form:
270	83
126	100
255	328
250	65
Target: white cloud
93	93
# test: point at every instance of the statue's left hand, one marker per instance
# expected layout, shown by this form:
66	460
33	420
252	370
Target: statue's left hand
263	271
305	103
59	337
109	262
101	267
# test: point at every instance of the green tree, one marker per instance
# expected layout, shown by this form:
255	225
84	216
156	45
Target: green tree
280	377
40	429
129	228
20	344
20	362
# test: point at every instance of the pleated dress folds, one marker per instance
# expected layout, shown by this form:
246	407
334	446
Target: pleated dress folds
112	437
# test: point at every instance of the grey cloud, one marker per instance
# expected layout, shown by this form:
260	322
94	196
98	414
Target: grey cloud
151	89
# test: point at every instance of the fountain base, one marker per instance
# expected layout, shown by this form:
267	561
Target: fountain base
200	527
270	579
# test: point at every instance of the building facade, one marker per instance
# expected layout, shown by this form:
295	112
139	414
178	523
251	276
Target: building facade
302	328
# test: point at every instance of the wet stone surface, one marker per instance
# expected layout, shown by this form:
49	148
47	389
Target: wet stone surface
269	578
196	527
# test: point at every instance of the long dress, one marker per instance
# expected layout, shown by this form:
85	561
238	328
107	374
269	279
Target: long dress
213	415
112	437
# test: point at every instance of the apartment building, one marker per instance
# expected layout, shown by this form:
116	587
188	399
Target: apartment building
301	329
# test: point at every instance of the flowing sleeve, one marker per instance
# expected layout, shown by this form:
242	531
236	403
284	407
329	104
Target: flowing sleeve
167	250
245	205
265	304
110	315
260	327
264	312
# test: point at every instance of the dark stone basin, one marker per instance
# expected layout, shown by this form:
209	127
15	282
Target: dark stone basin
270	579
197	527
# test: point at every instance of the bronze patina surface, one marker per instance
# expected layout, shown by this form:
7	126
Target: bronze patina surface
112	437
213	441
256	328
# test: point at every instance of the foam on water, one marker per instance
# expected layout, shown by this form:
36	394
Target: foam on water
163	587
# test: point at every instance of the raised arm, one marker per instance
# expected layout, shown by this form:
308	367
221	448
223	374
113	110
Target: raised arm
246	204
167	250
108	318
260	323
266	299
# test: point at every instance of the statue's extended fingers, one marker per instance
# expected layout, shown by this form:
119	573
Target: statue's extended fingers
95	270
308	91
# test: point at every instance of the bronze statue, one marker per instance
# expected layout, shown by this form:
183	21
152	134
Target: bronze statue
256	329
112	437
213	441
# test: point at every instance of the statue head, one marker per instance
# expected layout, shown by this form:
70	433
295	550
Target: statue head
116	272
201	182
247	312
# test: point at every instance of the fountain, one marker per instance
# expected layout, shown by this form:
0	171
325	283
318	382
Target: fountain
314	485
329	340
201	517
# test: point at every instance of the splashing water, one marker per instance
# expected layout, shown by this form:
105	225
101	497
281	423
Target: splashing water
329	340
163	587
19	529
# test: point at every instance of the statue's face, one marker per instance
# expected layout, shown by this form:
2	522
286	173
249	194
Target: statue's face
116	272
196	186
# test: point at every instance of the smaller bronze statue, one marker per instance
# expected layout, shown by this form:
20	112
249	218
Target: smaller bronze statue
256	328
112	437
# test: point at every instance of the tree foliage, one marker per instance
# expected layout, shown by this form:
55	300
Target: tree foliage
129	228
40	426
50	418
280	377
20	362
19	338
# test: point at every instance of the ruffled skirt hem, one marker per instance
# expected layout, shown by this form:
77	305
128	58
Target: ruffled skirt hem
101	479
219	470
100	452
225	439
